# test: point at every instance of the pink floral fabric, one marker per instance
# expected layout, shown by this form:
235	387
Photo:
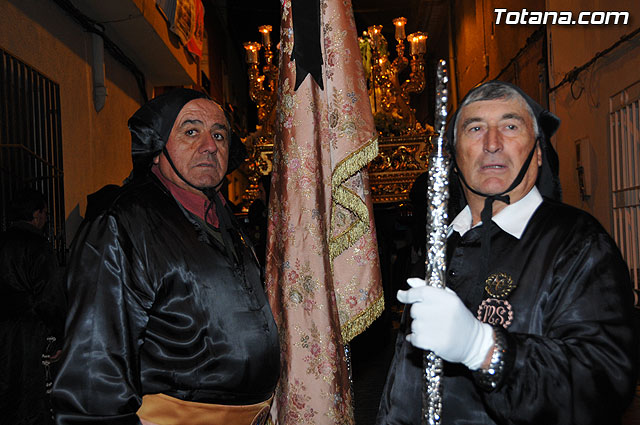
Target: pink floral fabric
323	273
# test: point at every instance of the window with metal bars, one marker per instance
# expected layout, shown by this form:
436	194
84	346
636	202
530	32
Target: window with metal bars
624	127
31	143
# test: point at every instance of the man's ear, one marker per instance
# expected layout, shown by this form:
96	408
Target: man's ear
156	160
538	152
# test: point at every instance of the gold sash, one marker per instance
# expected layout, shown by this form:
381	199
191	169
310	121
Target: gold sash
161	409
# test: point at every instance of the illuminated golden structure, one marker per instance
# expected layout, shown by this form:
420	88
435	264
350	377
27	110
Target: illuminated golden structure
390	98
263	86
400	161
263	91
404	143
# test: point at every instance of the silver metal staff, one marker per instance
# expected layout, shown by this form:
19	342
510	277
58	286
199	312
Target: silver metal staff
437	199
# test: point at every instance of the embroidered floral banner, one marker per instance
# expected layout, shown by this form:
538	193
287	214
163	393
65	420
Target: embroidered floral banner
323	274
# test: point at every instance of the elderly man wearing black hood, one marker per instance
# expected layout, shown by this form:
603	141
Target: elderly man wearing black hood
168	322
535	326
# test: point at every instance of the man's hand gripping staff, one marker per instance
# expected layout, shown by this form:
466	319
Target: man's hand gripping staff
442	323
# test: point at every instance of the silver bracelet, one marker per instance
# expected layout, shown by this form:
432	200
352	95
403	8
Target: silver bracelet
489	378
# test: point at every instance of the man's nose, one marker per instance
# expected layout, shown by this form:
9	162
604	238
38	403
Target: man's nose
492	140
208	144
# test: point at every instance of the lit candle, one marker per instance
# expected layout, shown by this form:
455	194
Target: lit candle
400	23
252	51
422	43
412	44
418	41
266	35
375	31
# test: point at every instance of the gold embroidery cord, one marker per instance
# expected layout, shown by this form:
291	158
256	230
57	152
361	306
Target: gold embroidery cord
346	198
363	320
349	200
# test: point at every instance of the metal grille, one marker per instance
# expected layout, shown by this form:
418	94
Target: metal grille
624	123
31	142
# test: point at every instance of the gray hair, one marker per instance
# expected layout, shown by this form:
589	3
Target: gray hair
494	90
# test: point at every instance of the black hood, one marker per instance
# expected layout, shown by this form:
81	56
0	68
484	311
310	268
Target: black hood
151	125
548	183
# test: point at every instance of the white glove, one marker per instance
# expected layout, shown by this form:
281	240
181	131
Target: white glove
443	324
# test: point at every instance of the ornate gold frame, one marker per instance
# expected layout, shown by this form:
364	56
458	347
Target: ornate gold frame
400	161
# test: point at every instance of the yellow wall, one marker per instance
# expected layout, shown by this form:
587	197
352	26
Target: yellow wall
96	145
484	49
585	113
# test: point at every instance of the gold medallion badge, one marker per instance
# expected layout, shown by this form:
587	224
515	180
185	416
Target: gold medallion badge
499	285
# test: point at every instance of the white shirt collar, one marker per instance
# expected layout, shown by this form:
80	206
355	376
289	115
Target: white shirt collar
512	219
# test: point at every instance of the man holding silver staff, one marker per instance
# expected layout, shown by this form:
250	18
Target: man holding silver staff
535	325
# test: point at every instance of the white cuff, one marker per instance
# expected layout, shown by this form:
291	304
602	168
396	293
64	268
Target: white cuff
481	345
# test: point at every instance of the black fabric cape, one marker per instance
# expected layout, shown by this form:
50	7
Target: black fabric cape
32	308
572	342
160	304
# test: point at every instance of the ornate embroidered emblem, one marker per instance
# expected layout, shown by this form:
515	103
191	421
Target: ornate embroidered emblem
499	285
495	312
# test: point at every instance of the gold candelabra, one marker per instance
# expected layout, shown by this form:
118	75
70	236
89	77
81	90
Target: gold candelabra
263	89
388	96
263	86
403	152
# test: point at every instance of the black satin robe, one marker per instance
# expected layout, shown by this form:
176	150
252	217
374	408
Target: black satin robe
571	346
161	303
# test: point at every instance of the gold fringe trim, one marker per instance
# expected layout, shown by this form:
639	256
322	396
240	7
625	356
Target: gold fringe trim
350	200
337	245
363	320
